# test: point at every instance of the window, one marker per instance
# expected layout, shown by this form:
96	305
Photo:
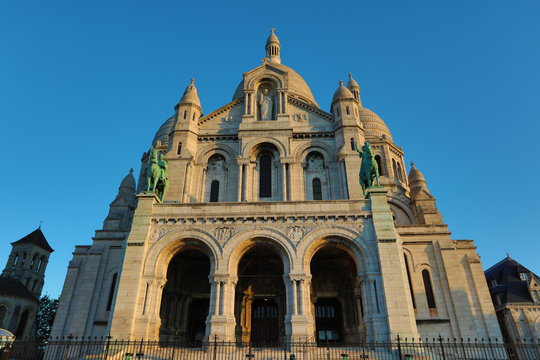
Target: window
23	261
379	164
536	296
185	114
523	276
353	146
33	262
394	167
400	174
337	110
317	190
16	259
3	311
40	264
214	191
429	290
22	324
410	282
493	283
265	176
193	117
347	110
111	292
179	149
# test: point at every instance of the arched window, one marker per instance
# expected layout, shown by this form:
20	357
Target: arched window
3	312
40	264
317	189
353	146
379	164
410	282
214	191
23	260
429	290
16	259
179	148
265	176
400	174
111	292
394	167
34	286
193	117
347	109
337	110
185	114
22	323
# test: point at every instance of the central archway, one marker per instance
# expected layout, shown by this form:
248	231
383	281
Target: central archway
186	298
260	302
336	296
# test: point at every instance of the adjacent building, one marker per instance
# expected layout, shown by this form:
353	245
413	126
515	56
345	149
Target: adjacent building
264	233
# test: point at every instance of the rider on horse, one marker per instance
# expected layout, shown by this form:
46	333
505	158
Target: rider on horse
369	170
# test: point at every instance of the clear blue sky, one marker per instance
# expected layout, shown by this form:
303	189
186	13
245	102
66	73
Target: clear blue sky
84	86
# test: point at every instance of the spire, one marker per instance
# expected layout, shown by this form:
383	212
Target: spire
342	93
128	182
424	203
272	48
355	89
190	95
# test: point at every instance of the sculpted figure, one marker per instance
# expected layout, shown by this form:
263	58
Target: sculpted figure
157	173
163	183
265	102
369	170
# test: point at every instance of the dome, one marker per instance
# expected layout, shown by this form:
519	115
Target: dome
190	95
129	181
415	175
342	93
297	86
272	39
374	126
352	84
164	131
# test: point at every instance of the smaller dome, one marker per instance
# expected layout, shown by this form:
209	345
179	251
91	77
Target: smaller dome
374	126
164	131
415	175
352	84
272	38
190	95
342	93
129	181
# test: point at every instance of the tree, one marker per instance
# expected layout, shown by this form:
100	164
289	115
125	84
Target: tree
45	317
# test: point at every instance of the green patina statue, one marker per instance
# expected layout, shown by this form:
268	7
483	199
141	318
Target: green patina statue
157	173
369	170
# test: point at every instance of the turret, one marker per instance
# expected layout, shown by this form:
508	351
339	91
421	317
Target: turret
352	85
272	48
188	112
122	208
28	261
424	203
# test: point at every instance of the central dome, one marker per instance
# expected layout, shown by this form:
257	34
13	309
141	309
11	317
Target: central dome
296	84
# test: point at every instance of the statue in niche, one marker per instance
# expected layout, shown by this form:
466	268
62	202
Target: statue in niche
265	105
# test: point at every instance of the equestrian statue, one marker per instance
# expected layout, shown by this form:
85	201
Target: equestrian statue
369	170
157	173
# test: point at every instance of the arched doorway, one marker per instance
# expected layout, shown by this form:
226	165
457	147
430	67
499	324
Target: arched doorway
186	298
336	296
260	303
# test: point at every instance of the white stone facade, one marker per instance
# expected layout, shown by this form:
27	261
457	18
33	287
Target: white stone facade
266	187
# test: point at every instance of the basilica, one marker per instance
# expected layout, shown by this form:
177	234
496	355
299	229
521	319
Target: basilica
264	232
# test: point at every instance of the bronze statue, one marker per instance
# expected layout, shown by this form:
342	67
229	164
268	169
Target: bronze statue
157	173
369	170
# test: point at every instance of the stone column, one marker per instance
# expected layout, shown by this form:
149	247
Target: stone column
391	290
221	323
299	320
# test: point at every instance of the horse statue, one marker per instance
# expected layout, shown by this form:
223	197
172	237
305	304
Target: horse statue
157	173
369	170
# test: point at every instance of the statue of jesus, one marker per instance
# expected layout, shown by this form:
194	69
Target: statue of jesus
265	102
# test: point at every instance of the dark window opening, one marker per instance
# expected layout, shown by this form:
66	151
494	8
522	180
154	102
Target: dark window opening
347	109
22	324
185	114
400	174
379	164
410	282
394	167
328	320
3	311
179	149
265	176
214	191
193	117
429	290
353	146
111	292
317	190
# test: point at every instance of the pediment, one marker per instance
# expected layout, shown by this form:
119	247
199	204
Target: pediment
224	120
307	118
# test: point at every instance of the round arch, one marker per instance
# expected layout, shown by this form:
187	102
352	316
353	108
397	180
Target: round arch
301	152
255	81
207	151
239	244
161	253
247	151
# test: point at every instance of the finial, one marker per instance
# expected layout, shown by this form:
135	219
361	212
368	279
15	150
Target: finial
412	163
192	80
131	171
272	30
350	76
341	82
40	223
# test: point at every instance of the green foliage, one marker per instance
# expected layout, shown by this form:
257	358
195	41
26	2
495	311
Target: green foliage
45	317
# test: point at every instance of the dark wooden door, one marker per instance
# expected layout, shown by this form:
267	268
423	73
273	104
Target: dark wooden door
328	320
264	322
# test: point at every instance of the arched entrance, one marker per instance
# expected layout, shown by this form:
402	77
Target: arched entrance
336	296
186	298
260	297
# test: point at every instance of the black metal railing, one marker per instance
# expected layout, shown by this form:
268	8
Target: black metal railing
72	348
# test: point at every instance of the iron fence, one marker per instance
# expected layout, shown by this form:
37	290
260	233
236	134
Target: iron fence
73	348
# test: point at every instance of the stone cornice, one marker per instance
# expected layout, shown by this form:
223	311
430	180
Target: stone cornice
311	108
219	111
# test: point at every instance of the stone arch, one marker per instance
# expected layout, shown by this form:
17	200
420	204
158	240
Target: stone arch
248	150
411	257
302	151
345	238
237	246
422	266
161	253
207	151
255	81
405	209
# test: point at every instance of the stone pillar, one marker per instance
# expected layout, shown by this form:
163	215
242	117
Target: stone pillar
392	291
221	323
298	320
